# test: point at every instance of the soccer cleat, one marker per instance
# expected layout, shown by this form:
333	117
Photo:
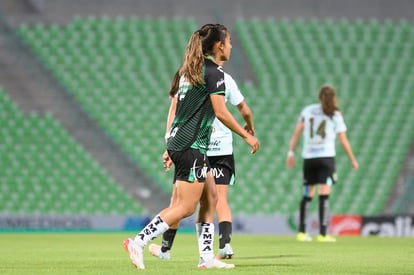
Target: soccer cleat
135	252
125	244
303	237
225	253
214	263
326	239
155	250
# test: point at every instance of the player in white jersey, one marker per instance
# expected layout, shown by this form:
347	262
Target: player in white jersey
221	159
319	124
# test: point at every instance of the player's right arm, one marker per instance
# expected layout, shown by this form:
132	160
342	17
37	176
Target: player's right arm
290	161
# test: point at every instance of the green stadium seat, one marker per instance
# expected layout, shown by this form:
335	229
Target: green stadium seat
47	172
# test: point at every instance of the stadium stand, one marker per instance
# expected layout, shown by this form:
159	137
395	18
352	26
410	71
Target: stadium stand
99	59
368	62
45	171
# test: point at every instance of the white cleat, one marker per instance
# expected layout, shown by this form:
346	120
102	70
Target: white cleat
226	252
155	250
135	252
214	263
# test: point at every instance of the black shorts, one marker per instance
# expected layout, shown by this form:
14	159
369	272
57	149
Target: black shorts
223	169
319	171
190	165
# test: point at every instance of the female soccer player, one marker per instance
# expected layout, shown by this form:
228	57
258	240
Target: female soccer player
319	124
221	158
200	99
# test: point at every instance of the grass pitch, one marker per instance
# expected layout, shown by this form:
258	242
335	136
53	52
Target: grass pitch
102	253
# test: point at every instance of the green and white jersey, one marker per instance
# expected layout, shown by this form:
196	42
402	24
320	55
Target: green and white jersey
319	132
194	116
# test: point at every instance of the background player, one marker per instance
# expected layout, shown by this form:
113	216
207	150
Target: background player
319	124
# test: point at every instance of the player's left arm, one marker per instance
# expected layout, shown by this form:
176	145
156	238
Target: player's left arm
348	149
224	115
237	99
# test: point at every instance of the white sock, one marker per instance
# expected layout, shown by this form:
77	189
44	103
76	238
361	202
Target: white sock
205	235
152	230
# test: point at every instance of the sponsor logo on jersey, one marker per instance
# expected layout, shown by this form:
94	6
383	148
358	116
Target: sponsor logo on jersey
220	82
201	172
217	172
215	143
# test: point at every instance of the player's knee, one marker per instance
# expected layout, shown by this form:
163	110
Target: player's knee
187	209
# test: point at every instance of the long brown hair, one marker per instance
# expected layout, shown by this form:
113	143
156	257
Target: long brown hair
201	43
175	83
327	98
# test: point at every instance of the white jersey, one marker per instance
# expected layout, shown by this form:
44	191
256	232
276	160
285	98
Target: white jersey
221	140
319	132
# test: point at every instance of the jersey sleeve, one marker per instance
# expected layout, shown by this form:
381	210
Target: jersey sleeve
339	123
214	78
233	94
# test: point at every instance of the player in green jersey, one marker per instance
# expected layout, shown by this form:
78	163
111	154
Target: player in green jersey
200	99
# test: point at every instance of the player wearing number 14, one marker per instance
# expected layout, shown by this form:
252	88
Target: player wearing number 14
319	125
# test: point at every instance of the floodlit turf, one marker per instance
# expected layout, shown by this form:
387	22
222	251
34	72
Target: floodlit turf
102	253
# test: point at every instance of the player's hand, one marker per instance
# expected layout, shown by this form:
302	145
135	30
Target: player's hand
166	161
253	142
355	165
249	129
290	162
